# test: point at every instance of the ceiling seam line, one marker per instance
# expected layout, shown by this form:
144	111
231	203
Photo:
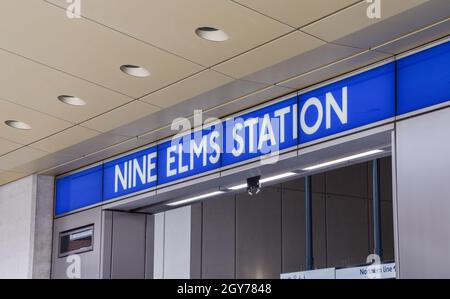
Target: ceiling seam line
261	13
130	36
38	111
254	48
332	13
64	72
170	84
108	111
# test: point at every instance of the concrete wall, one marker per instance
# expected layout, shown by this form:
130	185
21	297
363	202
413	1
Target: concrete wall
423	195
26	213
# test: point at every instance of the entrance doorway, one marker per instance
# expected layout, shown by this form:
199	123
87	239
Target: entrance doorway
265	235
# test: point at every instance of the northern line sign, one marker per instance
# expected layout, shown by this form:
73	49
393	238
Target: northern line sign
353	102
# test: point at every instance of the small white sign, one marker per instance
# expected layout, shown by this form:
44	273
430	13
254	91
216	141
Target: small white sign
380	271
328	273
376	271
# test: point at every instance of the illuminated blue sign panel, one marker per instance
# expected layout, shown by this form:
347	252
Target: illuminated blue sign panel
260	132
190	154
79	190
130	174
347	104
423	79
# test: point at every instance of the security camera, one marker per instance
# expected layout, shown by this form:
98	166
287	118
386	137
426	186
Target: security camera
253	185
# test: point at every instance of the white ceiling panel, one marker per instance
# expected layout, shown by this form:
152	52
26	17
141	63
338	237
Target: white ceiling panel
19	157
297	13
42	125
41	163
187	88
36	86
86	49
64	139
7	146
171	25
85	148
286	47
120	116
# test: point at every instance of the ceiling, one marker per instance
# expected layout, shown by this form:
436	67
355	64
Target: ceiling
275	47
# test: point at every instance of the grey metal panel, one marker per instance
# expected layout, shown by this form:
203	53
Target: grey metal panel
387	231
158	246
347	230
319	231
423	173
177	243
105	262
149	246
318	183
258	234
351	181
90	261
196	241
293	230
128	246
218	251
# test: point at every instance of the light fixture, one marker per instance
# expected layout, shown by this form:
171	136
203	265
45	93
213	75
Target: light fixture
17	125
212	34
265	180
71	100
195	198
134	70
342	160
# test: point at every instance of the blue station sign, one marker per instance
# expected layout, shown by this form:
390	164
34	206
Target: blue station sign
190	154
411	83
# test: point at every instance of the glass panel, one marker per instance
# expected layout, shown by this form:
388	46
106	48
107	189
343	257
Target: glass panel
76	241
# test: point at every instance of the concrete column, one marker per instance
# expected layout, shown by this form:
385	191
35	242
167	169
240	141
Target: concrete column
26	217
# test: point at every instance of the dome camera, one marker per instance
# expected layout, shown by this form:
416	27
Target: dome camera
253	185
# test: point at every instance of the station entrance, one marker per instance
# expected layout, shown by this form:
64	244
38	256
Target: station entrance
313	226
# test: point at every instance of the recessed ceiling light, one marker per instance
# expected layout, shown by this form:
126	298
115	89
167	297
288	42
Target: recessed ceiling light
211	34
17	125
71	100
134	70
